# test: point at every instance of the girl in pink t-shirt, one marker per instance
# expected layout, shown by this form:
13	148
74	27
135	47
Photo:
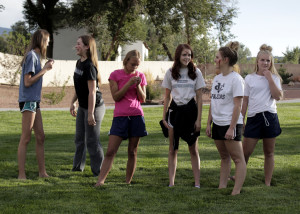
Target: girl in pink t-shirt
128	89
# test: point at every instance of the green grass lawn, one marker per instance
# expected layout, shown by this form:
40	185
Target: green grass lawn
73	192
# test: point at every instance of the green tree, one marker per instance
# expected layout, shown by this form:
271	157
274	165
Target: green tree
22	28
166	22
244	53
46	14
225	13
193	19
292	56
16	41
111	22
3	44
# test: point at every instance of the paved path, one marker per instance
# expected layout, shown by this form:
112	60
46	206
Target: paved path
144	106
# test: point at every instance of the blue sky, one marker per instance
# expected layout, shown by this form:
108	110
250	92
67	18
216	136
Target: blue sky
274	22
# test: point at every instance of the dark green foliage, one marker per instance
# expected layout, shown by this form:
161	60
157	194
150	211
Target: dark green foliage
46	14
285	76
16	41
153	91
292	56
245	72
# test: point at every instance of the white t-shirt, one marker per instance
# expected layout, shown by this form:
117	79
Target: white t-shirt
183	89
258	90
223	90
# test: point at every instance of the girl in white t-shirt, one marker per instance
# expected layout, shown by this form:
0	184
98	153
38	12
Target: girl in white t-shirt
225	114
182	113
262	89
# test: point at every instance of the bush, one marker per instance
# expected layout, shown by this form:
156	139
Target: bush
153	89
284	75
245	72
53	97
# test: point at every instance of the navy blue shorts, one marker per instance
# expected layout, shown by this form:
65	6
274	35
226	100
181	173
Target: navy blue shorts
127	127
262	125
219	132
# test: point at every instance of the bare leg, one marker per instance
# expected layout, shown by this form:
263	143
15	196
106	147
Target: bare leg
132	158
195	160
172	159
27	125
248	147
235	150
269	147
40	139
113	146
225	163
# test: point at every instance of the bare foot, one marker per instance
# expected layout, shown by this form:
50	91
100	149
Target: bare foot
235	192
98	184
22	177
44	175
231	178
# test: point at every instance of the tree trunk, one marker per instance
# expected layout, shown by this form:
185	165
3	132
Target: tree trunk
50	46
167	51
115	38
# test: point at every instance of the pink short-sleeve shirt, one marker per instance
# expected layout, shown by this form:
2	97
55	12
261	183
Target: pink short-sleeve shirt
129	105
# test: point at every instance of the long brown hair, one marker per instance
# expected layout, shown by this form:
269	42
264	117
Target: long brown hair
91	53
38	40
231	52
177	64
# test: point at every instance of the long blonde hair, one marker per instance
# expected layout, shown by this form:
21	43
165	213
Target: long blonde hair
91	53
38	40
265	49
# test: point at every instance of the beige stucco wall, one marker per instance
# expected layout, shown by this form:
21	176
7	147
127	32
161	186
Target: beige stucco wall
63	70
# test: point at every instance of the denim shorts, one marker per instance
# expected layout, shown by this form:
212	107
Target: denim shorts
262	125
129	126
29	106
219	132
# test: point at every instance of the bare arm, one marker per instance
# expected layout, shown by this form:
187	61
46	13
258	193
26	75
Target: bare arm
91	102
167	101
141	92
73	105
245	107
275	92
29	80
235	116
209	122
199	104
117	93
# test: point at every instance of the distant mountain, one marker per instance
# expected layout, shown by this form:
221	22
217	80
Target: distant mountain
3	29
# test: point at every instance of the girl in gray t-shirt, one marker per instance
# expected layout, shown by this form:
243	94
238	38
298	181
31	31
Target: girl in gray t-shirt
29	100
